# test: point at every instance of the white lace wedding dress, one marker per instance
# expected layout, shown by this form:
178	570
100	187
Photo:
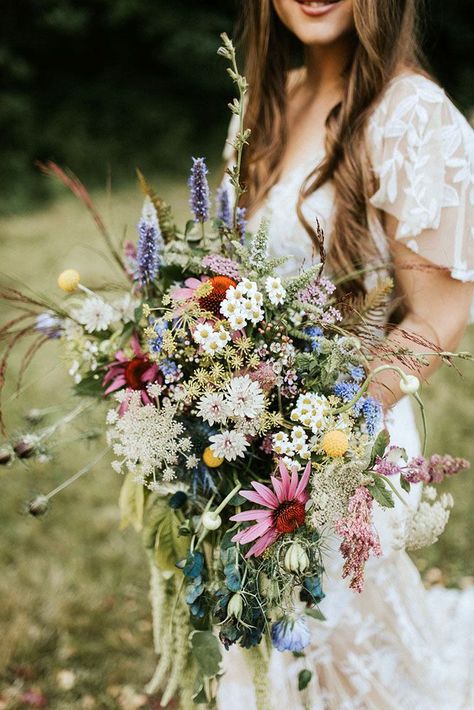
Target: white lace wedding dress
396	645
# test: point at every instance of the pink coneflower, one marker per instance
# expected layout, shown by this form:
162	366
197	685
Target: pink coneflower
134	373
186	292
284	509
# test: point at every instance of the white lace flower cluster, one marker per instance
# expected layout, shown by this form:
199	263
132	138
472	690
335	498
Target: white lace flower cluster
147	441
242	304
242	402
424	525
212	339
331	487
97	315
311	411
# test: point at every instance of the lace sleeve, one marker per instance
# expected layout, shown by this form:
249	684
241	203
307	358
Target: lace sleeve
423	157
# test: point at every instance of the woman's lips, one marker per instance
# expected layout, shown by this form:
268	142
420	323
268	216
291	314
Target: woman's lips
316	8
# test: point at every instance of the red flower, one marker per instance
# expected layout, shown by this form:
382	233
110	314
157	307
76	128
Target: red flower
134	373
212	302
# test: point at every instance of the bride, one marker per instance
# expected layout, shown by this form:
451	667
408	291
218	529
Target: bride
360	138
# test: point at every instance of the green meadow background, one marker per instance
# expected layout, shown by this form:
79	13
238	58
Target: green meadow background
75	630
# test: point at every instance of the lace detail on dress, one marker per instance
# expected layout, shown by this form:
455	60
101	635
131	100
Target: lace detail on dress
423	156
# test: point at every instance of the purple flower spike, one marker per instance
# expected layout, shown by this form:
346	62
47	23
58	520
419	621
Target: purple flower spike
199	200
241	222
224	212
150	244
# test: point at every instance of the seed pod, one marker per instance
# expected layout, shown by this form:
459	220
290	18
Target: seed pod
211	521
39	506
5	456
409	384
296	559
235	606
24	449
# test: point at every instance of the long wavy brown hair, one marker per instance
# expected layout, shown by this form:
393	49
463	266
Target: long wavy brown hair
386	42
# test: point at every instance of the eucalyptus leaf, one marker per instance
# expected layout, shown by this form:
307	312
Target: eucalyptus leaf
380	444
315	614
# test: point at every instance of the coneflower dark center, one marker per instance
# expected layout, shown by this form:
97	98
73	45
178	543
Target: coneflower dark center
288	516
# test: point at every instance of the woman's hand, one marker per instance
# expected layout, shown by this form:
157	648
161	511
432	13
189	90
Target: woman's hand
437	309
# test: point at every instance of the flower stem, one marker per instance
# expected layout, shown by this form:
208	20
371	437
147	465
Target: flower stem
365	386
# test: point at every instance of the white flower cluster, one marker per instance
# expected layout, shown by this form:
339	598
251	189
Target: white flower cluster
95	314
311	411
295	444
242	304
147	441
241	401
242	398
424	525
275	291
212	339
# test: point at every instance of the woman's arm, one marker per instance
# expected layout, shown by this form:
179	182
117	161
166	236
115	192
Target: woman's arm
437	309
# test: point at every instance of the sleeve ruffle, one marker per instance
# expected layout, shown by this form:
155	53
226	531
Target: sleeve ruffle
423	159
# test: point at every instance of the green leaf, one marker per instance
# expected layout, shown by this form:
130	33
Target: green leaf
207	652
304	678
404	483
380	493
89	387
315	614
380	444
131	503
161	534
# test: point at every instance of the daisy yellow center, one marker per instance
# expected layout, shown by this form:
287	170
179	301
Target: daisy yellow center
212	302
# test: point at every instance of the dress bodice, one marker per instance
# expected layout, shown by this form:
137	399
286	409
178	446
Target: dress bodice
422	156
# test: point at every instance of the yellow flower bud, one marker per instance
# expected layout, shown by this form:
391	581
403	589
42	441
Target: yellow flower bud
69	280
211	460
335	443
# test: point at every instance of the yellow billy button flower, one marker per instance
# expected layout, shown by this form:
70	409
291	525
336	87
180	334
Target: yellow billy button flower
69	280
335	443
211	460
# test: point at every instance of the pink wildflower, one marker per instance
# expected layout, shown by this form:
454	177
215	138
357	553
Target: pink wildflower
360	538
441	466
283	509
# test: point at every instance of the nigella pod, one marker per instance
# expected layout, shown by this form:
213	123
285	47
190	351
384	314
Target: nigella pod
150	244
224	212
199	199
39	506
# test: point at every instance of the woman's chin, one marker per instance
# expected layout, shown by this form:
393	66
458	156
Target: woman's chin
316	23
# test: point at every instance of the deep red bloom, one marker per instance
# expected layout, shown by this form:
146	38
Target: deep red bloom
134	373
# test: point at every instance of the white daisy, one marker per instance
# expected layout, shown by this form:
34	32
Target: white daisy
95	314
245	397
213	408
237	321
228	445
202	333
276	292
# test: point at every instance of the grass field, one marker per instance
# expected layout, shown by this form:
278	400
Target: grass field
74	615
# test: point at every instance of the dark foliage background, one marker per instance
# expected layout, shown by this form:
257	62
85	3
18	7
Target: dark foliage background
118	83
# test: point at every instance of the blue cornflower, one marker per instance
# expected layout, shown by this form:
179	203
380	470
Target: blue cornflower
224	211
291	633
315	333
372	411
199	199
156	343
150	244
357	373
49	325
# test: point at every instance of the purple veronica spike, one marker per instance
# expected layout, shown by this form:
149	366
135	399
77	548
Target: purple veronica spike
150	244
241	222
224	212
199	200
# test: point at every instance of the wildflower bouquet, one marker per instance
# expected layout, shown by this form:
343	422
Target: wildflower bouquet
239	415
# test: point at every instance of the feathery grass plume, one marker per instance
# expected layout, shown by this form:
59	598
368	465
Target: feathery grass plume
199	199
150	244
368	307
163	209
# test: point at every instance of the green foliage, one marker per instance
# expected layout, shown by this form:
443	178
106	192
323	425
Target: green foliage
161	533
380	493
